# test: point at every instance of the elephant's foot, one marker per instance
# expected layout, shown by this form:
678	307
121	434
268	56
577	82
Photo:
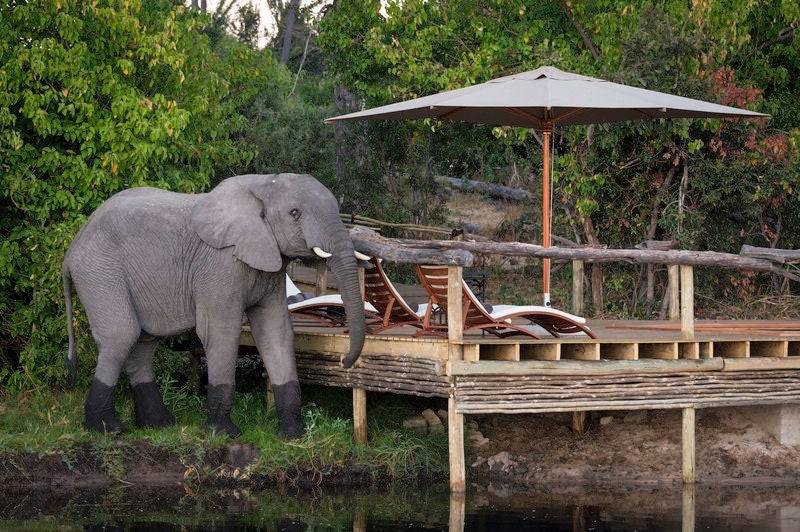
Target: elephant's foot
150	409
99	411
219	403
287	403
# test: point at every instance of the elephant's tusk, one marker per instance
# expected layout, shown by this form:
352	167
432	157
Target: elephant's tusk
321	254
361	256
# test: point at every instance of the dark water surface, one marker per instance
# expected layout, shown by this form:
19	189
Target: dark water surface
728	508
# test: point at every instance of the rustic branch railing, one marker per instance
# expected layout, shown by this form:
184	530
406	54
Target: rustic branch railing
409	250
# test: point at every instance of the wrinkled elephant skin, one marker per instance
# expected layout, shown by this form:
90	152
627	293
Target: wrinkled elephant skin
150	264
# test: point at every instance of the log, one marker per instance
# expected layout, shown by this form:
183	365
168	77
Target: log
583	367
401	251
490	189
781	256
386	250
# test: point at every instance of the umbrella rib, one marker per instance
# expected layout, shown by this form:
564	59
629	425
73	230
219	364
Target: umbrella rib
448	115
569	114
519	112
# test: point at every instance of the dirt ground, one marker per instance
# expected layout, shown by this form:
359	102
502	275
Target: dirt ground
524	450
641	447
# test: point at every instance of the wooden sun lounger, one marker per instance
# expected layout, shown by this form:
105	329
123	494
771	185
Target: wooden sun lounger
499	320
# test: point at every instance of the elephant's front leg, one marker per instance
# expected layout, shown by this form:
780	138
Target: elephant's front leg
221	344
274	337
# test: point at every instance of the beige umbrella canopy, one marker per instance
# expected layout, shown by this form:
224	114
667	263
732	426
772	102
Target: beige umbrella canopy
543	99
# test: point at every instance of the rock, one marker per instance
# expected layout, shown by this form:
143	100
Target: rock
417	424
443	415
501	462
434	423
476	437
606	420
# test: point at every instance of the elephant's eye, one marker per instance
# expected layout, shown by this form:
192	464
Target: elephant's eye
295	213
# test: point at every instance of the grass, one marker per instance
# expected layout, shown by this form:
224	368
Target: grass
50	423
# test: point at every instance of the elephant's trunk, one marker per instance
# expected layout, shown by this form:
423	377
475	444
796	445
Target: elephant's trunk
345	270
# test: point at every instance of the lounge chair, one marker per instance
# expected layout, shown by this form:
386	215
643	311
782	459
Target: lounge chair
327	310
384	306
392	310
498	320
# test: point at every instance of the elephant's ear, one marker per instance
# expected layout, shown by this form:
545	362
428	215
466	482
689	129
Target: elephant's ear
230	215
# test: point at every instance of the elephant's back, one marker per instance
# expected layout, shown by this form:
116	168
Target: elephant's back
145	210
133	220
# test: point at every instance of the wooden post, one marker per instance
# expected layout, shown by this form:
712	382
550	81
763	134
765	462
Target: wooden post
458	504
687	302
455	312
577	287
579	422
455	429
673	271
322	279
455	339
687	508
359	521
688	475
360	415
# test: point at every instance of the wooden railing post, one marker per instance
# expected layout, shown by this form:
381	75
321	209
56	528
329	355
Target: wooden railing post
455	312
687	302
455	340
674	291
577	287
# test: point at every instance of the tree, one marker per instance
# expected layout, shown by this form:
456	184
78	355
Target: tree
97	97
617	184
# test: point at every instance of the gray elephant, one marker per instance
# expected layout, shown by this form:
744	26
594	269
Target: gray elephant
149	264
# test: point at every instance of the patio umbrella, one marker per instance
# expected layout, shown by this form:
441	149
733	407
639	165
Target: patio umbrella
543	99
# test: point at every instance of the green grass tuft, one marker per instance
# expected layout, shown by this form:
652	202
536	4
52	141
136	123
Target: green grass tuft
50	423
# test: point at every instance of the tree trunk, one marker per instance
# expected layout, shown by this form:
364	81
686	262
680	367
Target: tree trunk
288	30
655	215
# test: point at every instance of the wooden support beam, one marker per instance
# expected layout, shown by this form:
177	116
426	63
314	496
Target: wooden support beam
360	415
687	508
688	474
601	367
673	271
687	302
579	422
455	313
321	282
458	511
455	340
455	428
577	287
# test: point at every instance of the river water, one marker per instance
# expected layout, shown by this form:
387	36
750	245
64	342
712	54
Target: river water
492	507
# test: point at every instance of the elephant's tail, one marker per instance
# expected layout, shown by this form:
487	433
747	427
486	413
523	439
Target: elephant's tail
71	362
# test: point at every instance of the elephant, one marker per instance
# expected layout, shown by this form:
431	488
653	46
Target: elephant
151	263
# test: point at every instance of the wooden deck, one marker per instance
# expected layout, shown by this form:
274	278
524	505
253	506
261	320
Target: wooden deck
631	365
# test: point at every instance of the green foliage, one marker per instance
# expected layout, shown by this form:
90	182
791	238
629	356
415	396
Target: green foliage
97	97
614	184
50	423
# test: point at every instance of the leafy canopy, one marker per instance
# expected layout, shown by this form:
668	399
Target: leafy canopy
96	97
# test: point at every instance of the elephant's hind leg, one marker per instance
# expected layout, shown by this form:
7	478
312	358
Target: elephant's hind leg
148	404
100	414
116	333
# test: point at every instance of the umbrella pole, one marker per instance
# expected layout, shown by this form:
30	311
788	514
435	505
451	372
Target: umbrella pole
546	131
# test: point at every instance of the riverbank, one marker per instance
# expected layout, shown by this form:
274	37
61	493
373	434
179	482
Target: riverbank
43	445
